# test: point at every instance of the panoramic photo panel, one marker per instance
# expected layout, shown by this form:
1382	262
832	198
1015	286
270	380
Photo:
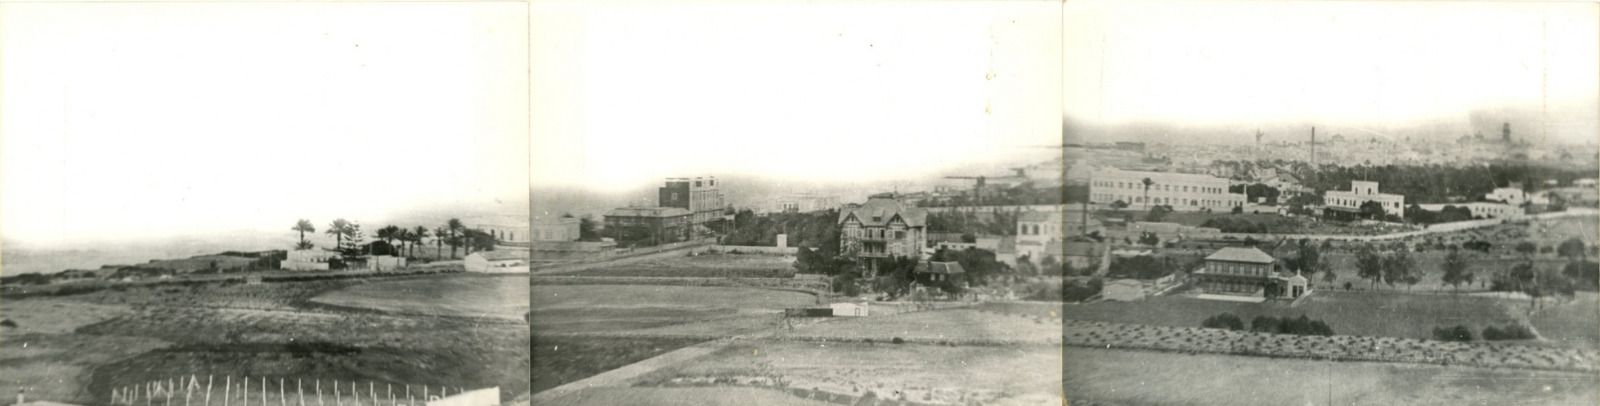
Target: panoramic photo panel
1333	203
264	203
797	203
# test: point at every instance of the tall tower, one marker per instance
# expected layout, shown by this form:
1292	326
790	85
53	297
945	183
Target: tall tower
1505	132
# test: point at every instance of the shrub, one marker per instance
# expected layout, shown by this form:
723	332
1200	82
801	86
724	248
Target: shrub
7	323
1224	321
1509	332
1457	333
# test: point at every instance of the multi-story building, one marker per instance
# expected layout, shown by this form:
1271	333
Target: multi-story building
803	203
1513	195
1237	271
880	229
1182	191
701	196
1035	231
649	225
1348	202
555	229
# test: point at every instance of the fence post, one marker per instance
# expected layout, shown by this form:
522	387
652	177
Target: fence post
373	392
147	393
208	389
281	399
301	393
337	398
319	391
409	400
245	393
389	387
263	391
227	388
425	397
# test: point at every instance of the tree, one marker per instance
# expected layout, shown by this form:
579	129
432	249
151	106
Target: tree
304	245
1455	270
405	237
1372	210
389	233
1149	238
1158	213
586	229
304	226
338	228
440	236
1223	321
1147	183
455	239
1572	249
1327	274
1398	267
417	234
1369	265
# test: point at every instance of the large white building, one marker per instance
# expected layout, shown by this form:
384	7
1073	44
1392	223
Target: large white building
1361	192
1182	191
1488	210
1036	231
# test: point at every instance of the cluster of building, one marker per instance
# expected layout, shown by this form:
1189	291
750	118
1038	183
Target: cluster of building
1182	191
684	207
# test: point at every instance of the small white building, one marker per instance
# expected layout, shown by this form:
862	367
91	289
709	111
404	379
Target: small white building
1296	286
1123	290
849	309
497	261
308	260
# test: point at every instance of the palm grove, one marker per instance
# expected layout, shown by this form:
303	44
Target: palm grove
350	239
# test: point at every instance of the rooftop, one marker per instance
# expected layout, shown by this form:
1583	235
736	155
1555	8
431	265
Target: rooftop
1241	254
647	212
944	268
879	211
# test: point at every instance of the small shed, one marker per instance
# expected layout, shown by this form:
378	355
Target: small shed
1296	286
497	261
849	309
1123	290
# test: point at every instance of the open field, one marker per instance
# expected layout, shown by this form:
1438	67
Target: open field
1116	377
1482	266
957	325
703	265
501	296
54	316
1378	314
1575	323
926	374
559	360
684	397
623	308
58	366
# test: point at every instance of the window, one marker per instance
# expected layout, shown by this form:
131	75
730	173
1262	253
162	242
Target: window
899	235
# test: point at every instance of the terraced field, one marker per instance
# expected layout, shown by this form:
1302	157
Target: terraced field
500	296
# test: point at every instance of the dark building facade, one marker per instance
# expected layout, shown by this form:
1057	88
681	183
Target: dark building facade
701	196
648	225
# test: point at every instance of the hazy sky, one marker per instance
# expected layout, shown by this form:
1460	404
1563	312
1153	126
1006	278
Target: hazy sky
155	119
822	90
1356	62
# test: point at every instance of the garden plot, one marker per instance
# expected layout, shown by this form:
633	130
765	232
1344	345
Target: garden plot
1348	313
1116	377
1344	348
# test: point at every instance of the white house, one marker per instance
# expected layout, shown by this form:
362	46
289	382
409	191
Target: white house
498	261
849	309
307	260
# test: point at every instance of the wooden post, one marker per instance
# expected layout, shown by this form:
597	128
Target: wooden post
373	392
245	393
147	394
227	389
409	400
337	398
389	387
301	393
170	386
282	400
263	391
425	397
208	389
319	391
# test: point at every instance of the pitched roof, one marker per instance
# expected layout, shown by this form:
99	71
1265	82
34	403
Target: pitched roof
1240	254
647	212
884	210
946	268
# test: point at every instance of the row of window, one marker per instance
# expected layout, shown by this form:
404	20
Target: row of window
1348	202
877	233
1033	229
1174	201
1158	187
1231	287
1238	269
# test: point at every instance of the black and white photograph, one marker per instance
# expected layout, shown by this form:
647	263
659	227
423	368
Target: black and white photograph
1333	203
264	203
797	203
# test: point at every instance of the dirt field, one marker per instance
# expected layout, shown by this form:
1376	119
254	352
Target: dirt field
559	360
638	296
684	397
959	325
502	296
1378	314
1115	377
917	373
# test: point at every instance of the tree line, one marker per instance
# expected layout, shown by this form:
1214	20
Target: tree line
349	239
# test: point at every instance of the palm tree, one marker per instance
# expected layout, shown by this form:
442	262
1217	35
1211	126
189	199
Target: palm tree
440	234
405	237
303	226
1147	183
456	230
417	234
388	234
337	229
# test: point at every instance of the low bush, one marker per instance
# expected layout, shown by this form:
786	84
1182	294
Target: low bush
1223	321
1509	332
1457	333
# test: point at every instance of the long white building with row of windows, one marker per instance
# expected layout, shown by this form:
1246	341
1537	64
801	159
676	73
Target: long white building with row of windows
1182	191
